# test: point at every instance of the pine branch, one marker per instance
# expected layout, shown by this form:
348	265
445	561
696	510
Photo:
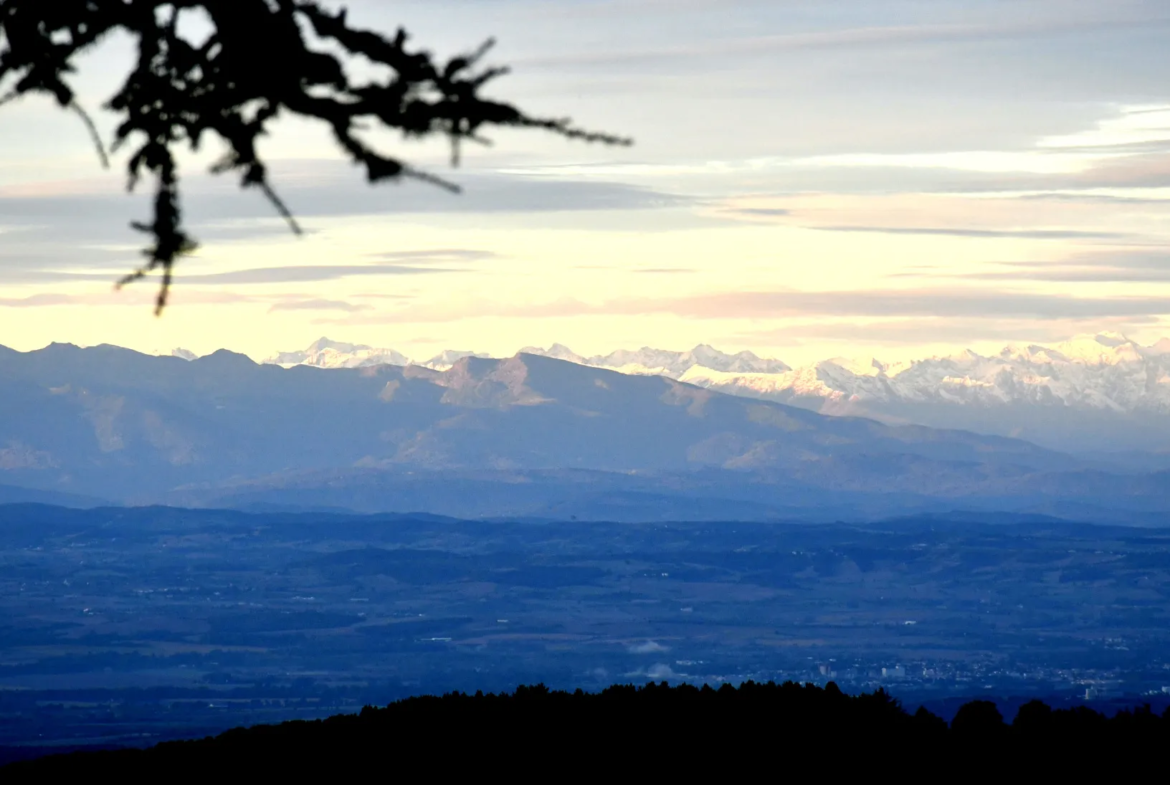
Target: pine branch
259	62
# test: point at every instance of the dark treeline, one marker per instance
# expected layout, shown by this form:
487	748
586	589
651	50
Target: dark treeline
655	729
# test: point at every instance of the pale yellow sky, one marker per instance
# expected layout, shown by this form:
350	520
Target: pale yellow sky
982	181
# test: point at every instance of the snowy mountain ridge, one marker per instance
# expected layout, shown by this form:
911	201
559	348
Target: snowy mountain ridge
1107	371
324	353
1099	393
659	362
1103	372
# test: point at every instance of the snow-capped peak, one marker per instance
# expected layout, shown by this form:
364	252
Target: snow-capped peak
1100	372
447	358
558	351
1104	348
324	353
667	363
1107	371
868	366
324	345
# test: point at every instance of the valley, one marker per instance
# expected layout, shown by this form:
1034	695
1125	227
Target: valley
131	625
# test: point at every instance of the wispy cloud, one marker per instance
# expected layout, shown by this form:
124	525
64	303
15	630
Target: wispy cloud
318	305
940	302
1089	197
1022	234
138	297
258	275
855	38
308	273
1120	267
78	236
759	212
917	331
1117	173
37	301
437	254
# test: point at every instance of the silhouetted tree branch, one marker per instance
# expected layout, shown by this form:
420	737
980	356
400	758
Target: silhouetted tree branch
263	58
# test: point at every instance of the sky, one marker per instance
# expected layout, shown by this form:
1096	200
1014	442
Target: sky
810	179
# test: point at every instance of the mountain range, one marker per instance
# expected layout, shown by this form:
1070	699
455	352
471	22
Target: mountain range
1100	394
325	353
529	435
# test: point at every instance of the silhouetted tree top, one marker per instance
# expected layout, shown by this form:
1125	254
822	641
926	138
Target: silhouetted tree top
978	718
687	733
263	58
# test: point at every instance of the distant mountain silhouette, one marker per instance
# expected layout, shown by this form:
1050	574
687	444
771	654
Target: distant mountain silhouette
112	423
655	731
1102	395
10	494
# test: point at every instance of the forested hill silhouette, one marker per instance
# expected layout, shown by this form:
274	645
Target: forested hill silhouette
657	729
